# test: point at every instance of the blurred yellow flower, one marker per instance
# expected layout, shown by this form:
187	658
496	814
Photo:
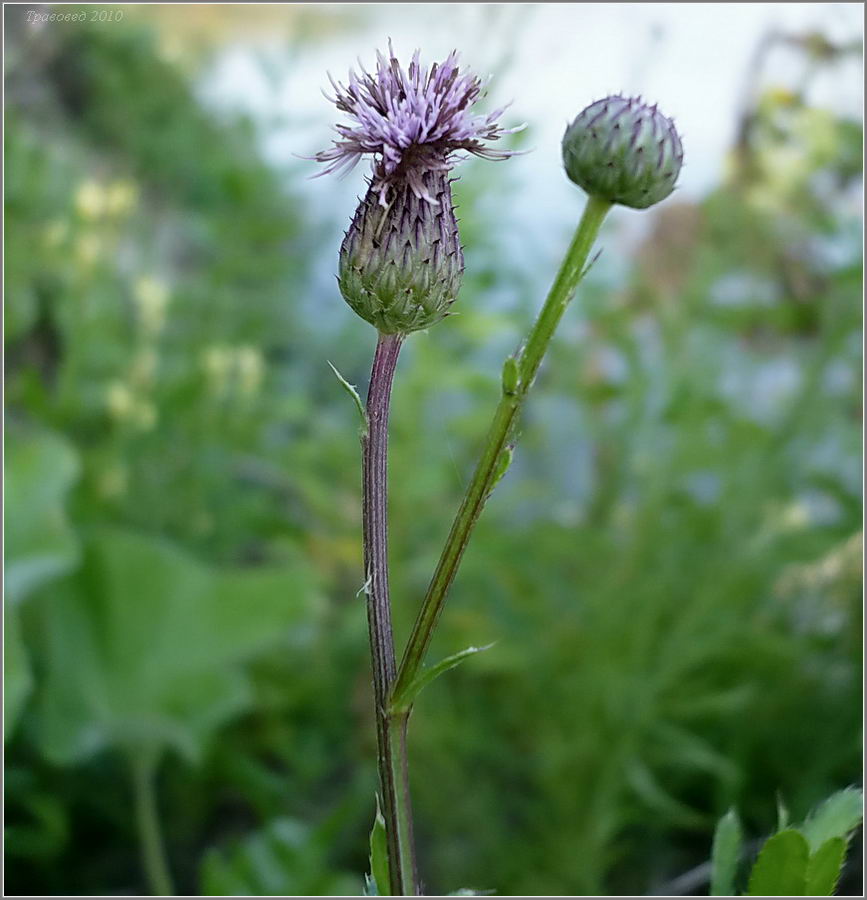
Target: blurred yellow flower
119	400
90	199
780	96
251	368
124	406
151	298
217	363
794	517
121	197
242	366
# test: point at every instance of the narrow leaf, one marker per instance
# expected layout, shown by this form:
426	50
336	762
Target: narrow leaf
511	376
838	816
824	868
782	813
401	703
648	789
781	869
504	460
350	389
379	878
727	842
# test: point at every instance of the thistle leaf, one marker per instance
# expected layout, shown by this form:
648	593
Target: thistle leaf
824	868
378	882
782	814
838	816
781	869
351	390
727	842
402	702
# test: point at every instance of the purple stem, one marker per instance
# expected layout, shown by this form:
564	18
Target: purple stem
391	734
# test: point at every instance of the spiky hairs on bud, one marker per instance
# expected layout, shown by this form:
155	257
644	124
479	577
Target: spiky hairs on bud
401	265
621	150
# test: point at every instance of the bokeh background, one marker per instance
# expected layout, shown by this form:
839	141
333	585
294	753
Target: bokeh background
671	569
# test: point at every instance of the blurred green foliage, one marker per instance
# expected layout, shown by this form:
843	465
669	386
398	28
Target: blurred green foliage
671	569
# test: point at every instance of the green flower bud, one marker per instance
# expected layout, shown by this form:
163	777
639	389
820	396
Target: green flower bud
401	262
620	150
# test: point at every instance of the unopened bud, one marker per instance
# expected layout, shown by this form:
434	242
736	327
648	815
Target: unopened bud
621	150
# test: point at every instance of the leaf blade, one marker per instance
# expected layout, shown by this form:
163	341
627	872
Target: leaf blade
824	868
725	855
353	392
781	867
402	702
379	872
838	816
41	468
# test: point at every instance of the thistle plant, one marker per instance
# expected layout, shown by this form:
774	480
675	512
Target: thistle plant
400	269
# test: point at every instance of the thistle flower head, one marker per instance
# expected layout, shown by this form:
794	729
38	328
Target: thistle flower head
411	122
623	151
400	266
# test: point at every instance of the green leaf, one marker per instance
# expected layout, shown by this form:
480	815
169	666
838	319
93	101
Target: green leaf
511	376
285	858
683	748
402	702
648	789
40	545
353	392
782	814
781	868
144	644
838	816
726	853
504	460
379	879
824	868
17	677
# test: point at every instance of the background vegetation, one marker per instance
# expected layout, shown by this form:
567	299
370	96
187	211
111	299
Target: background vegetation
671	570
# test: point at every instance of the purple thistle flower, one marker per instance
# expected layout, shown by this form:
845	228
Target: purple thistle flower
411	122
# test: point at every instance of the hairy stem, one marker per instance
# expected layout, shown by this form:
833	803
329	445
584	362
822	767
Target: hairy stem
491	464
390	730
153	852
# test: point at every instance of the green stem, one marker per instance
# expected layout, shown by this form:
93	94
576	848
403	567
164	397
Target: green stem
402	817
494	458
147	818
